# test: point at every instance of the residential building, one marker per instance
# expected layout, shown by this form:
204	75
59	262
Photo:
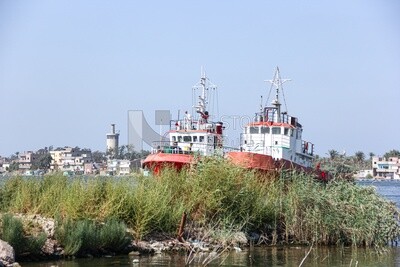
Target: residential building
70	159
5	167
25	161
118	167
95	168
2	169
364	174
386	168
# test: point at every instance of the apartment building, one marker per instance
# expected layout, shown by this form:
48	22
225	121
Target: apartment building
118	167
383	168
25	160
70	159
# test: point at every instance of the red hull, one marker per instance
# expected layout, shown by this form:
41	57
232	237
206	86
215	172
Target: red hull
262	162
157	161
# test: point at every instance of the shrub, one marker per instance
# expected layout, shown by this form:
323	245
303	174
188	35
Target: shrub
112	235
69	234
13	233
86	236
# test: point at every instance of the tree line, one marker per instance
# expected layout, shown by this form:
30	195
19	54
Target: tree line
343	166
42	159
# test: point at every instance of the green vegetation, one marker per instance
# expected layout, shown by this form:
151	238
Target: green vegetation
392	153
13	232
220	199
85	236
341	166
344	167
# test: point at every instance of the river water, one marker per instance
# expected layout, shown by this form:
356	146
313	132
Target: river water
263	256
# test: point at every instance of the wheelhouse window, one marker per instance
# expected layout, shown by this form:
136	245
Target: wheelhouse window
174	138
201	139
195	139
265	130
179	138
298	134
286	131
187	138
253	130
276	130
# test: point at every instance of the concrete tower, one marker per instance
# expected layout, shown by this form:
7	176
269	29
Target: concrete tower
112	142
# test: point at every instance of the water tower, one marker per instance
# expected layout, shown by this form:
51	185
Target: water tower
112	142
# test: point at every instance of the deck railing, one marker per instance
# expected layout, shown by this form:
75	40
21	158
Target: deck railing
190	148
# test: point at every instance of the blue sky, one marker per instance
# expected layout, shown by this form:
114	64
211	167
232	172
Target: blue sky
68	69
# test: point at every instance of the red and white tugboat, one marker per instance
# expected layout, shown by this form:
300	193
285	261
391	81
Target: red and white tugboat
273	141
189	137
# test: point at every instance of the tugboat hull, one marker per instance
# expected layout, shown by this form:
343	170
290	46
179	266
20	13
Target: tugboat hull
266	163
263	162
161	160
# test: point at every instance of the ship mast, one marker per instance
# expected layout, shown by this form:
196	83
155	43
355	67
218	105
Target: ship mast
277	82
204	85
201	108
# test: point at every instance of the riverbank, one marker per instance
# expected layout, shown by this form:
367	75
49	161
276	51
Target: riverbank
226	208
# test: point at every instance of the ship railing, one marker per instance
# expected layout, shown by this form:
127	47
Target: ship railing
271	114
170	147
307	148
185	124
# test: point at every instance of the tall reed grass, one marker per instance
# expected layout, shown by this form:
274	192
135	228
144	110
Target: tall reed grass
284	208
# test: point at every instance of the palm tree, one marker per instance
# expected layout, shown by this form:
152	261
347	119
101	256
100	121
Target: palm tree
392	153
333	154
360	156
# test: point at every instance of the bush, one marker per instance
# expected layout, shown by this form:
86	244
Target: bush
112	236
69	234
13	233
85	236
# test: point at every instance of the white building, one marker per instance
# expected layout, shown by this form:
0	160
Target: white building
70	159
2	168
25	161
386	168
118	167
364	174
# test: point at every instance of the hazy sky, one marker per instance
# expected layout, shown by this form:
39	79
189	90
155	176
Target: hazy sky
68	69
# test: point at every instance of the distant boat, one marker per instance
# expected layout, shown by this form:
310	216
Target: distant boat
190	137
273	141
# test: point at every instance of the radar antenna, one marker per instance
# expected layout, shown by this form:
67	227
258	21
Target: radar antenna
277	82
